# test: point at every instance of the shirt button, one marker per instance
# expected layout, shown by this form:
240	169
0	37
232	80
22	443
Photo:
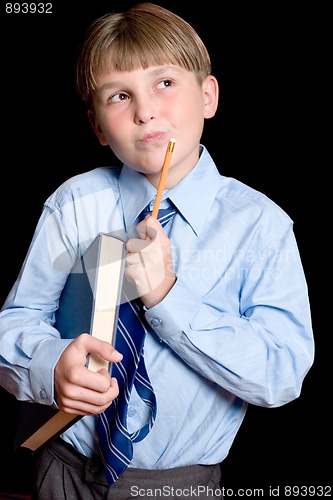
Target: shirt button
155	322
131	412
43	394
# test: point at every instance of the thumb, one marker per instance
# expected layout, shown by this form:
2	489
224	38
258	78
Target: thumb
149	228
98	350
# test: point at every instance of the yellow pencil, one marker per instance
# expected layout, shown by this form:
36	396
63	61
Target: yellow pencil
164	173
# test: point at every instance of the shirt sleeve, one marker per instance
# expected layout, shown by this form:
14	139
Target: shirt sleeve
29	344
251	333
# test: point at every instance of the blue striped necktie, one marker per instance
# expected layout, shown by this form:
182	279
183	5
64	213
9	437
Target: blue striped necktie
164	214
115	441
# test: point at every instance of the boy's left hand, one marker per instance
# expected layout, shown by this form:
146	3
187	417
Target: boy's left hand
149	263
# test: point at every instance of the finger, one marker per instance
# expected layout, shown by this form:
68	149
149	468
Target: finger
88	402
138	276
136	245
135	259
148	228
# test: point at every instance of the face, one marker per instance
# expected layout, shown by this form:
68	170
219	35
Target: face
137	112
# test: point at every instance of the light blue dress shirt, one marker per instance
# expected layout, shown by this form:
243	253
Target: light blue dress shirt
235	328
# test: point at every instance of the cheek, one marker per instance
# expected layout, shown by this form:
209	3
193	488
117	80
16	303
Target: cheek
188	110
189	118
114	128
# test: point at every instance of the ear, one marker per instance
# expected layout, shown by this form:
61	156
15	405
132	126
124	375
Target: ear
210	89
97	128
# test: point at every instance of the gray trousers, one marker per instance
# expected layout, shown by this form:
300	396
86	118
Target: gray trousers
62	473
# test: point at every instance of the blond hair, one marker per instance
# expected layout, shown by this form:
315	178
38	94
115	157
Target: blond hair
144	35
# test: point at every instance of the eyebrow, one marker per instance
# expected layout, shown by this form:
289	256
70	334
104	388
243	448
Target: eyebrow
156	71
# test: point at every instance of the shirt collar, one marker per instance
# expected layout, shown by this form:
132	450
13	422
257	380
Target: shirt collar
193	196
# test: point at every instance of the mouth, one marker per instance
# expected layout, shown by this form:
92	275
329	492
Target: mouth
155	137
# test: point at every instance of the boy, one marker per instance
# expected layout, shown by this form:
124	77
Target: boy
228	318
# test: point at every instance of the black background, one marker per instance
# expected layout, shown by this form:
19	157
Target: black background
267	59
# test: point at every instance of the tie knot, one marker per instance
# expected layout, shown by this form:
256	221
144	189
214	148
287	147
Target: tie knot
164	214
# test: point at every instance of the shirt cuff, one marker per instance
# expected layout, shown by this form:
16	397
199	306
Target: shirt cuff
174	313
42	372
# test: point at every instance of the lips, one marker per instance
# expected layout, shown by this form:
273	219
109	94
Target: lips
153	137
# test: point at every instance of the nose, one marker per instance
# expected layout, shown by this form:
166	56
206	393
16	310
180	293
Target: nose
143	111
143	117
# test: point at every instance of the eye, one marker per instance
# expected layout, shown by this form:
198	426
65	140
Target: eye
164	83
121	96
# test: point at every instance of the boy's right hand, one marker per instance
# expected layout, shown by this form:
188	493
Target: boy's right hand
79	390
